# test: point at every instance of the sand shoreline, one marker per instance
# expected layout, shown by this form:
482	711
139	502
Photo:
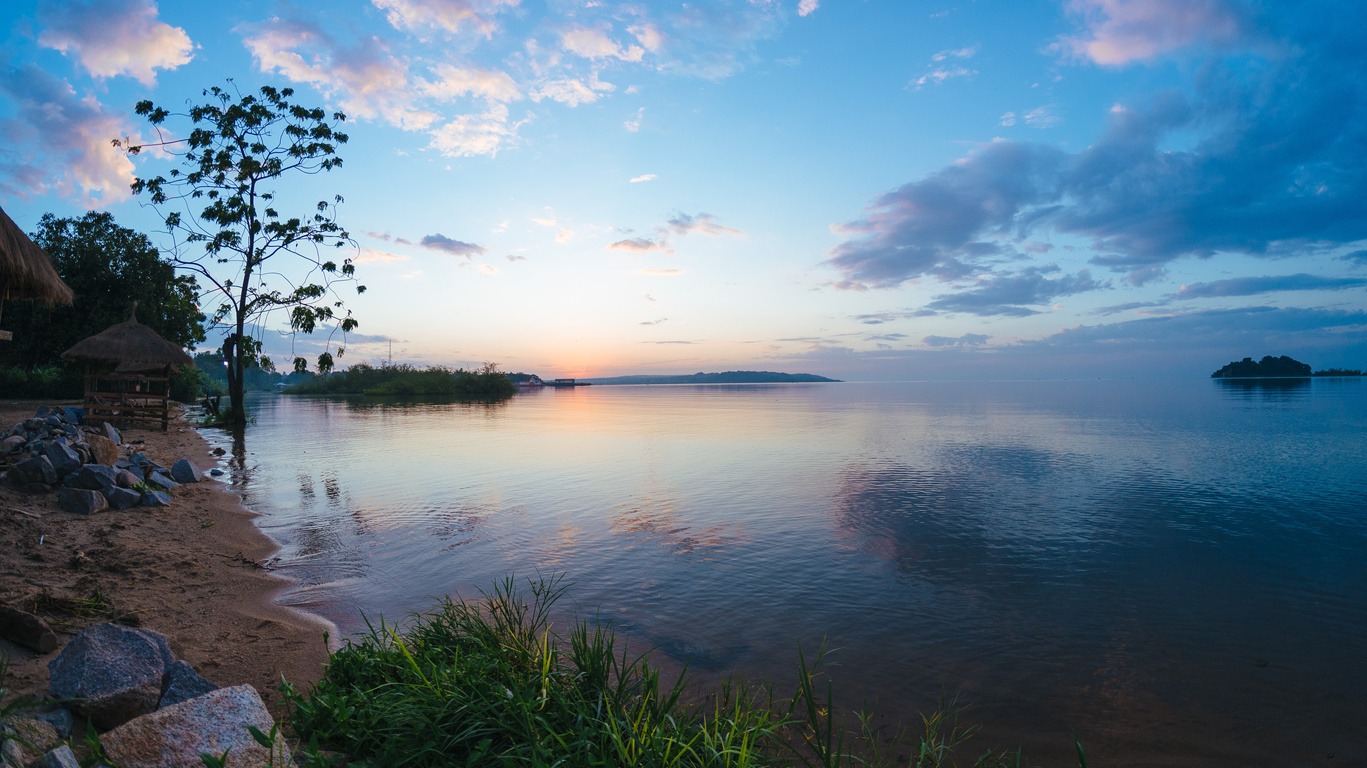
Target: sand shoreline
190	571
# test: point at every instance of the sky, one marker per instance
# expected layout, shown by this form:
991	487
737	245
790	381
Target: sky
889	190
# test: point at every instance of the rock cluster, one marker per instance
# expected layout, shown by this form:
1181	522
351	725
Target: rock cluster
150	709
91	468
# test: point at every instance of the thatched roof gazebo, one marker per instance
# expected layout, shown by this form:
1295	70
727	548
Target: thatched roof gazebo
26	272
139	388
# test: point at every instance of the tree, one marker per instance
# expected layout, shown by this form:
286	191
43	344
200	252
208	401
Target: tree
221	215
108	267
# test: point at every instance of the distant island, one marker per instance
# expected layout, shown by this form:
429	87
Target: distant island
725	377
1276	368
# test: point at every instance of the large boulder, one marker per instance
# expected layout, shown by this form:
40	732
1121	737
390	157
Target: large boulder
94	477
113	672
79	501
36	473
104	449
210	724
182	684
123	498
64	459
185	472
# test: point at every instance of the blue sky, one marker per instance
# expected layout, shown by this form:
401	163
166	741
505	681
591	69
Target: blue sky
866	190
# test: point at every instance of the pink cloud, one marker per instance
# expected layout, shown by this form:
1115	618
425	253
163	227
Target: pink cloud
114	37
1124	31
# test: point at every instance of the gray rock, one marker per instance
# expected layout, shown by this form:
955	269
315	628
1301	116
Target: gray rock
61	757
59	718
114	672
209	724
64	460
42	411
123	498
112	434
12	443
182	684
34	471
126	479
79	501
25	739
161	479
185	472
156	499
95	477
74	415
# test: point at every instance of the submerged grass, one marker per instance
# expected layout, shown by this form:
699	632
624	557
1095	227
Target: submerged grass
492	683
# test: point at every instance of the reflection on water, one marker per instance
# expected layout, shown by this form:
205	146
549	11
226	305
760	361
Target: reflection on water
1265	390
1173	572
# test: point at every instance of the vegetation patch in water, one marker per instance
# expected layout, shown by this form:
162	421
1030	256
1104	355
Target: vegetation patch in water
487	384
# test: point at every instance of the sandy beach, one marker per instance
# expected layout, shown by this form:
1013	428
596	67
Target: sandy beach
190	571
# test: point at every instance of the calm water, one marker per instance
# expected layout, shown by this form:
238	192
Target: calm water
1176	572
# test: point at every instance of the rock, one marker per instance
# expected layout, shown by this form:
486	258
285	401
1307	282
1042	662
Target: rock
59	718
112	434
27	630
61	757
156	499
63	459
104	449
216	472
12	444
209	724
74	415
123	498
95	477
29	737
161	479
114	671
79	501
182	684
125	478
37	471
185	472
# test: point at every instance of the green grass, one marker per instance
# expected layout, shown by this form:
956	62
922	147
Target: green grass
491	683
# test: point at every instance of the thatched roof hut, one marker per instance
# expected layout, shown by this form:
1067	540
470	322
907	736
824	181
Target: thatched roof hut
26	272
130	344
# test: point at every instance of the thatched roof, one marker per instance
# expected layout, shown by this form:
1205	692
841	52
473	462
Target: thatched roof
26	272
132	345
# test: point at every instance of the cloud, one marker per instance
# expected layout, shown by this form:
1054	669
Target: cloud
702	223
654	322
452	82
709	40
114	37
452	16
1259	160
488	270
473	135
660	272
1358	257
634	124
71	135
1250	286
373	255
439	242
638	245
365	79
642	178
515	257
807	7
939	73
966	340
569	91
1008	294
1123	31
596	44
388	238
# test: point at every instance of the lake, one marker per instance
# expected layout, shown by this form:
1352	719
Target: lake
1174	571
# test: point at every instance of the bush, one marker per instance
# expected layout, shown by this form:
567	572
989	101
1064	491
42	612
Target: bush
487	384
42	383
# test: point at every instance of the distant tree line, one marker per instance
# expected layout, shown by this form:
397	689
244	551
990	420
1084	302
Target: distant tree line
1275	367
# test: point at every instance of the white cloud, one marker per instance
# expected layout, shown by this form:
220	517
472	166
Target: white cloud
114	37
634	124
71	136
938	76
366	80
595	44
955	53
643	178
807	7
373	255
473	135
1123	31
451	16
453	82
570	92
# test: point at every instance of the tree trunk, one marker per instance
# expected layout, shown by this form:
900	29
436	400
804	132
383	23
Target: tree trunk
237	416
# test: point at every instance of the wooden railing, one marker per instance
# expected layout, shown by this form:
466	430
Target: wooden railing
120	398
